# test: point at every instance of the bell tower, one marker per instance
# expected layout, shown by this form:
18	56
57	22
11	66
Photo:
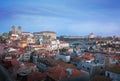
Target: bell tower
19	31
13	30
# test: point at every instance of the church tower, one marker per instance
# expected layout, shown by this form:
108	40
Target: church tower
13	30
19	31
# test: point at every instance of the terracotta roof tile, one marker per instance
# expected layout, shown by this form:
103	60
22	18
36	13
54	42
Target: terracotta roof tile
113	56
36	76
29	64
88	56
15	64
59	72
63	42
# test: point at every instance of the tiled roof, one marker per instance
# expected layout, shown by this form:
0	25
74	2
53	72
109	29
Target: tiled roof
2	43
63	42
6	63
59	72
14	62
88	56
19	52
29	64
14	56
36	76
15	47
54	39
113	56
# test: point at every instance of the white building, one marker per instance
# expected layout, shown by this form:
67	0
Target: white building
63	44
31	40
55	44
24	57
27	34
14	37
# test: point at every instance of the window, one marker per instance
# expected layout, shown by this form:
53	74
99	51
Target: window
88	68
83	66
108	74
101	67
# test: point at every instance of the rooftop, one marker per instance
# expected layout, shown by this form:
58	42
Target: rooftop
60	72
36	76
88	56
29	64
59	62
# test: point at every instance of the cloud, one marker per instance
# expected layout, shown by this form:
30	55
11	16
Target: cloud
69	17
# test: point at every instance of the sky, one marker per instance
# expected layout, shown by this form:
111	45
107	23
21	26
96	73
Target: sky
65	17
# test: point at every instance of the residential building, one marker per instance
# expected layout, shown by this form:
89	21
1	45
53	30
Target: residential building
25	34
33	76
91	67
50	34
25	57
63	44
22	43
47	33
31	40
55	44
64	57
14	37
113	59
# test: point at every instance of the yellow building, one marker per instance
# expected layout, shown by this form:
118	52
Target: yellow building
23	43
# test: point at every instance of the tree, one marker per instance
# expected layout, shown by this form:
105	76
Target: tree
63	50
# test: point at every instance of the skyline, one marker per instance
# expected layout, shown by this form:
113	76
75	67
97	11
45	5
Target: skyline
65	17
